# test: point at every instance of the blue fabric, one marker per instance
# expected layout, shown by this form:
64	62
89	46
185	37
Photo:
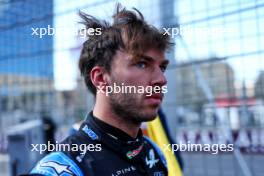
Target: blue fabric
57	163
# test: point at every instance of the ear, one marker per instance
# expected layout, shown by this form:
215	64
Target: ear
98	77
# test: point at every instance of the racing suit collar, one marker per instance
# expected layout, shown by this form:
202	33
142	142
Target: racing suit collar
132	150
112	131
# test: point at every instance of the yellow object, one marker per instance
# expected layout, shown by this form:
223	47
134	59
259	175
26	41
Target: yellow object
157	134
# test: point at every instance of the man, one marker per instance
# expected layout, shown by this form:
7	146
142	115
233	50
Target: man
127	53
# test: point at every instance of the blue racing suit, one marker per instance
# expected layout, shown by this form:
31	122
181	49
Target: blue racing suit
110	152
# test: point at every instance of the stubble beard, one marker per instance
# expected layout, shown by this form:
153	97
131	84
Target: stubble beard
127	106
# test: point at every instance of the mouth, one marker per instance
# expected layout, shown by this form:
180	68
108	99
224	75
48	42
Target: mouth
154	99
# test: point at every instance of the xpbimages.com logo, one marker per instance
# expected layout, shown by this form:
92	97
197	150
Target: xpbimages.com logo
129	89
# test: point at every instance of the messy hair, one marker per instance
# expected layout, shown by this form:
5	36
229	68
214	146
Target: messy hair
129	32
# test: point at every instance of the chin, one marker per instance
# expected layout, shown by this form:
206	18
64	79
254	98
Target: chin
152	118
150	115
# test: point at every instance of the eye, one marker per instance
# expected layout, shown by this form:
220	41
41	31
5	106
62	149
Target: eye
141	64
163	68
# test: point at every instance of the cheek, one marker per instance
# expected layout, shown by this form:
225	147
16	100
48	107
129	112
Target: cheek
136	80
131	81
131	77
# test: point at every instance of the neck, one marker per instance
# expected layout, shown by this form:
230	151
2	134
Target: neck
103	111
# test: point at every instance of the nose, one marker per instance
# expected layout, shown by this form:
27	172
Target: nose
158	78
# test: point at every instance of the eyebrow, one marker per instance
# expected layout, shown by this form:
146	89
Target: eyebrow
151	59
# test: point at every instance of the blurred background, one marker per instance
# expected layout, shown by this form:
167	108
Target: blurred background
215	78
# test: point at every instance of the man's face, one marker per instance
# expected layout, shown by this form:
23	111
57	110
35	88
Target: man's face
146	70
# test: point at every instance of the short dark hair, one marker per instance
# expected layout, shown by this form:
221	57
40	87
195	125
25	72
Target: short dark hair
129	32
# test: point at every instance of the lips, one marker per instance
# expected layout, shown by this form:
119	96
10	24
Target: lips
155	98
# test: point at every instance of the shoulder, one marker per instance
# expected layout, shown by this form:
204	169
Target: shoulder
57	163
